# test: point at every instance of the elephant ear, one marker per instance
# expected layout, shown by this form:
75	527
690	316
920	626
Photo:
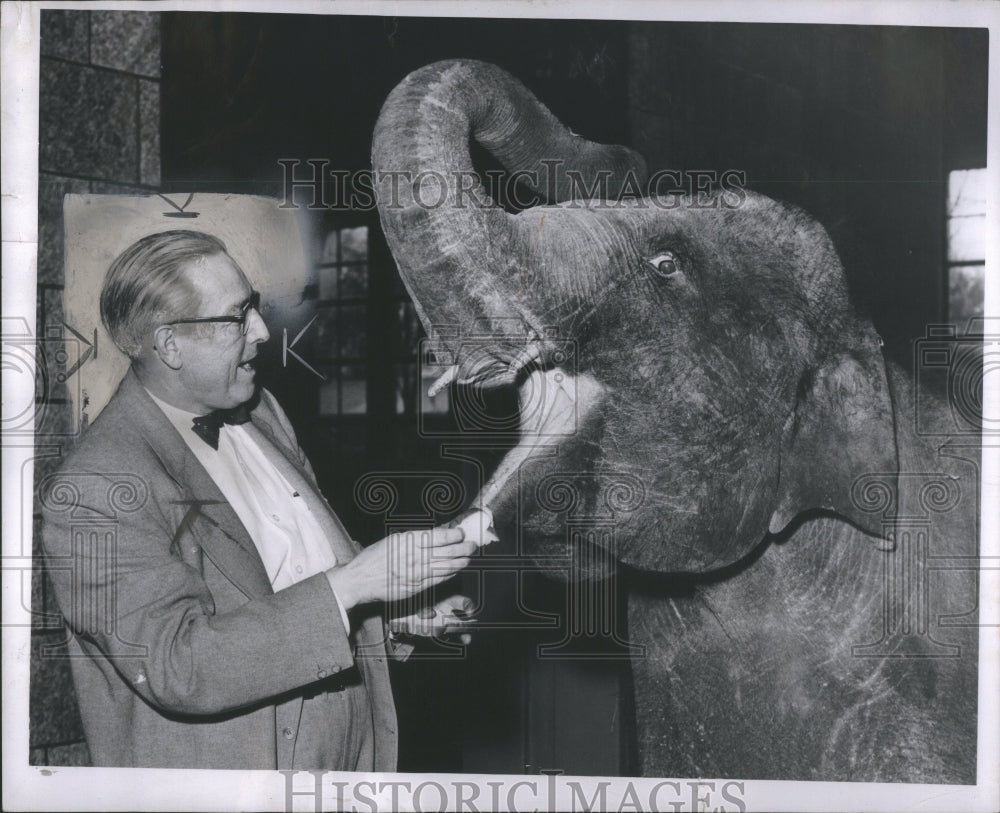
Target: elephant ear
841	429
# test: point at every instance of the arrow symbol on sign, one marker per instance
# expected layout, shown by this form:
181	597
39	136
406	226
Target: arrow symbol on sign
181	210
91	349
286	349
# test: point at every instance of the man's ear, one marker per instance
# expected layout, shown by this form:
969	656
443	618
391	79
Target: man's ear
842	428
165	345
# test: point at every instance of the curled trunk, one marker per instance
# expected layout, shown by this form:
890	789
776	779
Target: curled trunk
466	262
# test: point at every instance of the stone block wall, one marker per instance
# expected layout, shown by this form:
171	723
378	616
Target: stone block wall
99	132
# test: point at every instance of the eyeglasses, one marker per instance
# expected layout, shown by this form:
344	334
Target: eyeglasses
243	320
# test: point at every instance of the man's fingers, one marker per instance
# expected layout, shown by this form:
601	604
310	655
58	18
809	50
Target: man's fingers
457	550
444	537
439	537
459	563
451	551
445	543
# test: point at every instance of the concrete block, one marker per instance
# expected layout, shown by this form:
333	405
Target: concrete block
88	124
65	34
126	41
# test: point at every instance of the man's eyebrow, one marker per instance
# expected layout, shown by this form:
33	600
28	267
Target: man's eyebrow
242	304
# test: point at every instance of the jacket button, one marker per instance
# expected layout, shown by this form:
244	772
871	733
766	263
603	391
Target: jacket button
321	673
287	733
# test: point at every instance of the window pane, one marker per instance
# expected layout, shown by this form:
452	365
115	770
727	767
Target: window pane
353	331
438	405
966	192
329	252
354	281
328	404
965	294
967	238
411	391
406	388
353	390
354	244
327	344
967	215
407	331
328	283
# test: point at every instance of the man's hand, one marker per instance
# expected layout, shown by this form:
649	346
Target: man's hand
401	565
448	617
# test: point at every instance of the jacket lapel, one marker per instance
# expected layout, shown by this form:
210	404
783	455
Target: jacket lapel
225	541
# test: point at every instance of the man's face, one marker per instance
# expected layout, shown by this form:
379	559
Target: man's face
217	370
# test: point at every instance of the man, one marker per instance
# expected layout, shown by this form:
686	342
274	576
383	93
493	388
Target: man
222	616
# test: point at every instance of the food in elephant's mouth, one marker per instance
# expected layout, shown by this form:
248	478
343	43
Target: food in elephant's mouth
478	526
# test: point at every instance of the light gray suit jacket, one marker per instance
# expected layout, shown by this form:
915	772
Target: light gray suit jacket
182	655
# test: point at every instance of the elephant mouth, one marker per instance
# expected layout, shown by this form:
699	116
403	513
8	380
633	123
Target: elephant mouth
490	364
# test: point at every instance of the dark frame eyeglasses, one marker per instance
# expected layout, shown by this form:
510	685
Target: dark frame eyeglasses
243	320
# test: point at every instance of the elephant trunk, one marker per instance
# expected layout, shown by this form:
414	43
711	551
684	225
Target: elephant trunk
464	260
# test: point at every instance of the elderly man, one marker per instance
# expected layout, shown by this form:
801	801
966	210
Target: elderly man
222	616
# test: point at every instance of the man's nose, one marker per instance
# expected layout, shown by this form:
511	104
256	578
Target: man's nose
256	329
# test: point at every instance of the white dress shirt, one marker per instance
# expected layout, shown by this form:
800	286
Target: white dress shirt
283	529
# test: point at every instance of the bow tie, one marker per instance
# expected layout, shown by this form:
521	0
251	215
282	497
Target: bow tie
207	426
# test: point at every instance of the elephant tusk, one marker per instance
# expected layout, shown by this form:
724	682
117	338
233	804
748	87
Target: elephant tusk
529	356
443	381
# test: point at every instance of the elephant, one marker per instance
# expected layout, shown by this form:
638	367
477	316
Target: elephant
799	532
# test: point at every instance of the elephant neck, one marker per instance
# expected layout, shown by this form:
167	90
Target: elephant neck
841	604
850	661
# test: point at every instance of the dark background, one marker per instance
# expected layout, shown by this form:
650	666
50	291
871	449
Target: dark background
858	125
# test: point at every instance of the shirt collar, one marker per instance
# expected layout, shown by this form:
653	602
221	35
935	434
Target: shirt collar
182	420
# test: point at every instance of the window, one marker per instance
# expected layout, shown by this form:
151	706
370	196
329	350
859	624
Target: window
342	338
966	245
414	376
351	360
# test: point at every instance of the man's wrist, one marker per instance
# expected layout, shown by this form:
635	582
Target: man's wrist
343	613
344	587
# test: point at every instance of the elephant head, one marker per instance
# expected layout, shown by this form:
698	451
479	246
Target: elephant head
716	360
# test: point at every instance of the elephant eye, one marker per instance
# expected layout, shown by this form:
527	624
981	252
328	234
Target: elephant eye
665	264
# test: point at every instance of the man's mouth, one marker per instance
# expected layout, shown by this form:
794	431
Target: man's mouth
249	365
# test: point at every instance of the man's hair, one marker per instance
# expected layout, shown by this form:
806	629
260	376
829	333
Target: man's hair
146	286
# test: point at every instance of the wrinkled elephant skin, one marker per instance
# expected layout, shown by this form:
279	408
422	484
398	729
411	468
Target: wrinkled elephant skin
697	373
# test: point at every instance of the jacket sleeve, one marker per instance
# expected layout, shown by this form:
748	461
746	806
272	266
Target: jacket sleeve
140	605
